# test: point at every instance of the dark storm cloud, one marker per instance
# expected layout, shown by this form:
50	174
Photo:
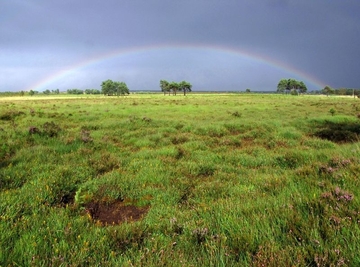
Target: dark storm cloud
38	38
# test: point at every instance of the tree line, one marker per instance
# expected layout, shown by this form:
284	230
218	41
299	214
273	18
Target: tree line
168	87
340	91
86	91
111	88
298	87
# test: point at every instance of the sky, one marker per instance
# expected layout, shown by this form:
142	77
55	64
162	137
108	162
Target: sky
216	45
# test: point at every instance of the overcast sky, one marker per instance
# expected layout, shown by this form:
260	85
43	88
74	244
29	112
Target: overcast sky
213	44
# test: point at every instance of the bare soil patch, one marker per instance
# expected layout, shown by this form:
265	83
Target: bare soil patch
115	213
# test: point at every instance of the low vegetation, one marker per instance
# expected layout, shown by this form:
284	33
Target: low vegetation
201	180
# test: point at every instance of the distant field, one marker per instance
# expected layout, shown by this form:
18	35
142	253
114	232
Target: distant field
201	180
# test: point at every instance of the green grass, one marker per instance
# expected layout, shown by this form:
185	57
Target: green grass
228	179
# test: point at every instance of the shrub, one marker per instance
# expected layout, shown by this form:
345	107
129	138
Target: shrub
236	114
85	136
51	129
34	130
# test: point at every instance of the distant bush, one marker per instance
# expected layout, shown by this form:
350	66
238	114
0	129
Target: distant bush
236	114
75	91
92	91
51	129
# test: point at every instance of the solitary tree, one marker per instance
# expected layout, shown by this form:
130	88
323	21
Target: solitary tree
327	90
174	87
185	87
164	85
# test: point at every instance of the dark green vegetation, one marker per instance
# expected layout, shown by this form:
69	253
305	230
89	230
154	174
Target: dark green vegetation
81	92
110	87
202	180
173	87
291	85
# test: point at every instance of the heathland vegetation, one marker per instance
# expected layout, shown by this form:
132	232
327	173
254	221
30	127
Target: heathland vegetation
202	180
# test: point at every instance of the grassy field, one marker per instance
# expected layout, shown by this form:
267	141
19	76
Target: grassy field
201	180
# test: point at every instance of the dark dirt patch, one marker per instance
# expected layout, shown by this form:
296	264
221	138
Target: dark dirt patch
345	132
179	139
116	212
67	199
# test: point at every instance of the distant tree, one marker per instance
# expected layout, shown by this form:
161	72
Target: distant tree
22	93
247	90
302	87
164	85
92	91
282	86
31	93
174	87
121	88
291	85
328	90
57	91
75	91
185	86
47	92
340	91
110	87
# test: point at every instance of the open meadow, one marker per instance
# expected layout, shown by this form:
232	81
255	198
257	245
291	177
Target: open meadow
200	180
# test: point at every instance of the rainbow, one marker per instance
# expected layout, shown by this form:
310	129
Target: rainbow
257	58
